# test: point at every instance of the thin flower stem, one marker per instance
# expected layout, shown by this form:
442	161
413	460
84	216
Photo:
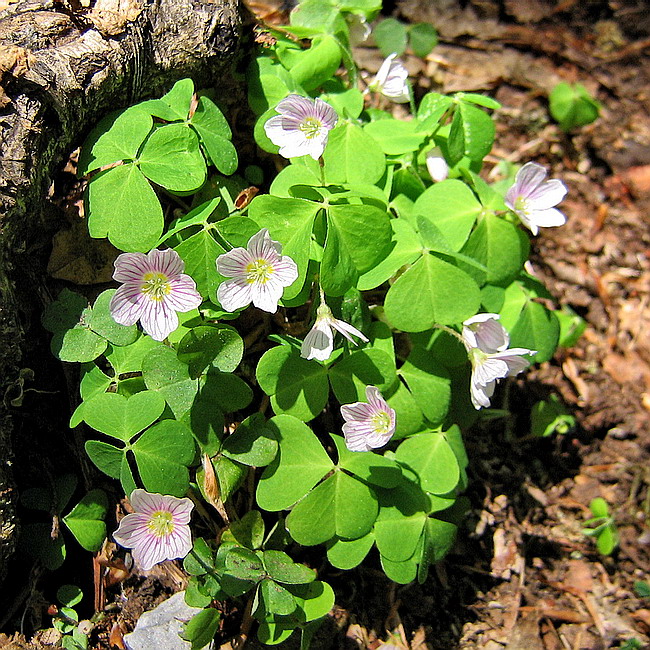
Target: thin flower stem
453	333
412	99
321	164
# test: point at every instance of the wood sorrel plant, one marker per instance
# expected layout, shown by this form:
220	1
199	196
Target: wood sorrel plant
354	235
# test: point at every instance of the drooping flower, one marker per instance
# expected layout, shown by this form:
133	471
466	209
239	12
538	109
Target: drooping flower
533	199
158	529
392	80
437	165
368	425
319	342
358	28
302	127
154	288
259	274
487	343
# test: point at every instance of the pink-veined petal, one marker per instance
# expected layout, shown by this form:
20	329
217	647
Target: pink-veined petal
547	218
528	178
183	295
548	195
286	271
489	370
158	320
348	330
266	295
127	304
233	263
235	294
131	267
319	343
168	262
484	331
146	502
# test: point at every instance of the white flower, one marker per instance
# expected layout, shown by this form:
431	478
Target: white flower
359	29
319	342
158	529
368	425
259	274
392	80
533	199
487	341
154	288
303	126
437	165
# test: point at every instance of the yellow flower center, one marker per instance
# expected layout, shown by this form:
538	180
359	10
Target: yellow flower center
161	523
259	271
521	205
155	285
310	127
381	422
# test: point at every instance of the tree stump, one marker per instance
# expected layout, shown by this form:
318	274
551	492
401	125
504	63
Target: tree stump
63	65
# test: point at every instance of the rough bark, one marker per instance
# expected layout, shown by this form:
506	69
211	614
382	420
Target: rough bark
62	67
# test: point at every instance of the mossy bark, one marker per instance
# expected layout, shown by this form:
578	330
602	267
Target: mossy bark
62	67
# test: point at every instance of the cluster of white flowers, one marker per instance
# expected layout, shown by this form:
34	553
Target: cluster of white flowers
154	288
487	343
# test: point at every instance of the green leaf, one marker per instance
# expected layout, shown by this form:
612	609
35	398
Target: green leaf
289	221
407	247
500	246
297	387
200	252
480	100
179	98
252	443
67	319
122	418
341	506
452	207
301	462
282	568
128	358
431	291
230	474
215	135
317	64
170	378
478	131
572	106
529	323
400	572
607	540
432	459
351	375
358	237
346	554
429	383
367	465
163	454
395	137
423	37
245	564
352	156
247	531
121	205
401	520
106	457
390	36
315	599
200	559
220	346
86	520
69	595
101	322
171	157
599	507
38	542
274	599
227	391
117	137
202	627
